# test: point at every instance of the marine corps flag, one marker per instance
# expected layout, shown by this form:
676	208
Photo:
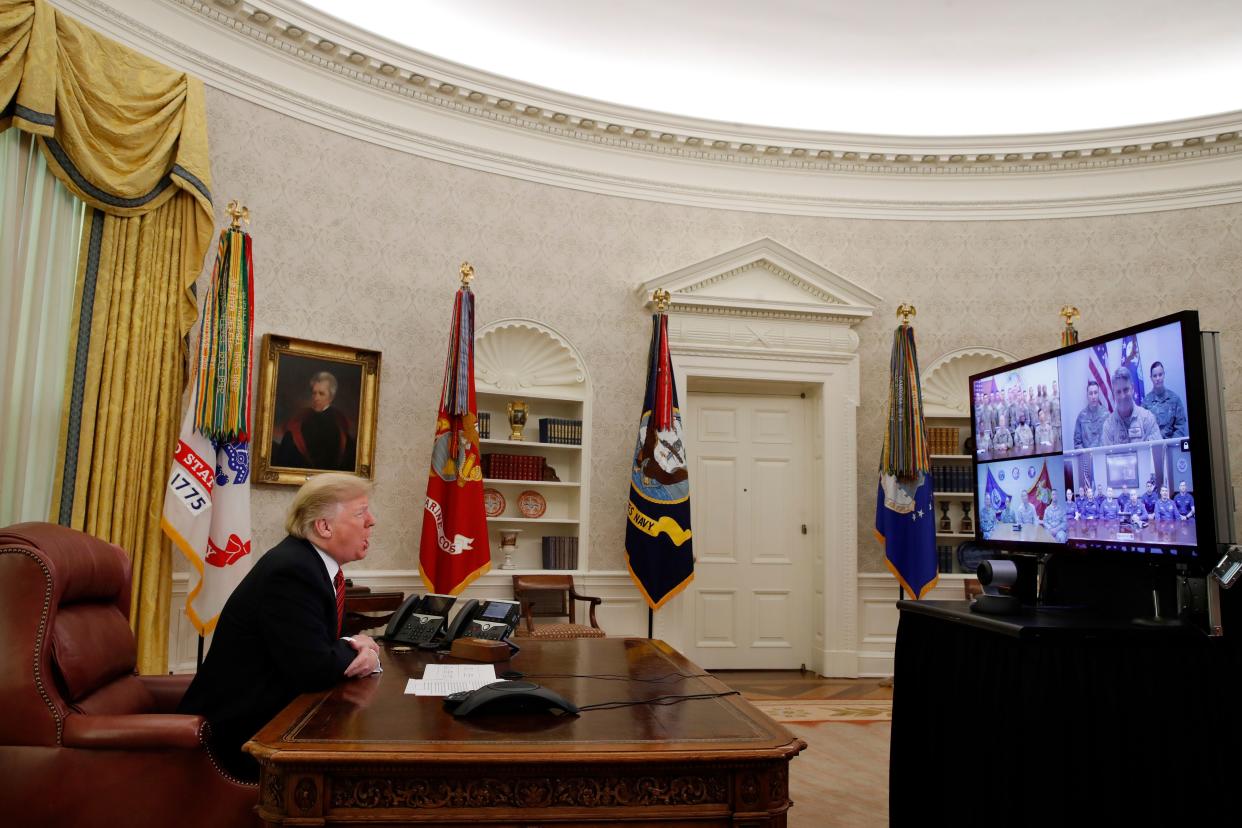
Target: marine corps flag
657	535
905	521
207	501
455	548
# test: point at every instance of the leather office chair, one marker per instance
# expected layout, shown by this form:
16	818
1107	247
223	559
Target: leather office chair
553	596
84	741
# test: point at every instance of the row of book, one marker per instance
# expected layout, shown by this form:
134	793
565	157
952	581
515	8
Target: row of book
952	479
560	430
947	556
485	425
944	440
560	552
514	466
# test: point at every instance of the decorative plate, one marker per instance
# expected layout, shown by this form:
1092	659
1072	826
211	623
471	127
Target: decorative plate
531	504
493	502
969	556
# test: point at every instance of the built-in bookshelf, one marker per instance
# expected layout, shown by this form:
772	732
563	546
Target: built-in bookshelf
946	403
523	361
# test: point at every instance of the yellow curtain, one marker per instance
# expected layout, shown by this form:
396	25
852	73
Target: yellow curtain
128	136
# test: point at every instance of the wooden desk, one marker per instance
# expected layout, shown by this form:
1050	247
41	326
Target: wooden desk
366	751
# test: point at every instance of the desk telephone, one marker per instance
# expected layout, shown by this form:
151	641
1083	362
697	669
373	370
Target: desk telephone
423	620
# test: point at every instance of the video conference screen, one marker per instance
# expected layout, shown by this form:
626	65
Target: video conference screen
1092	446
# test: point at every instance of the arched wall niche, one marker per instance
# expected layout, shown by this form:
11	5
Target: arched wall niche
522	355
946	381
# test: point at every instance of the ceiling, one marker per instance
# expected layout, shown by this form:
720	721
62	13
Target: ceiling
888	67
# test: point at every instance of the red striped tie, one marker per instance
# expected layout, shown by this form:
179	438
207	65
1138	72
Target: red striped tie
339	583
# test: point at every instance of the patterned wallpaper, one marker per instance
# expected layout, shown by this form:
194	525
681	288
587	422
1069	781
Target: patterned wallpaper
359	245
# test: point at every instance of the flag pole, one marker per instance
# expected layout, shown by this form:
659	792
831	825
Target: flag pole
904	312
661	297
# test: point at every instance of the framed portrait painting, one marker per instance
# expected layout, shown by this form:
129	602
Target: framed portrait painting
317	409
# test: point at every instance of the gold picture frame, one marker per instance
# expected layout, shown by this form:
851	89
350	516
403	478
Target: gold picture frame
297	435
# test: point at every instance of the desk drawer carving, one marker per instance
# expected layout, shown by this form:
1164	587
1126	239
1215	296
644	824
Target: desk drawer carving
534	792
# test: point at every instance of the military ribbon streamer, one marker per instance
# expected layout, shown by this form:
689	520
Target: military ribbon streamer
207	501
658	543
904	518
455	549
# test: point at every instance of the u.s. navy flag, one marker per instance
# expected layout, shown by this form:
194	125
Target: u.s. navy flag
455	548
905	519
657	534
207	500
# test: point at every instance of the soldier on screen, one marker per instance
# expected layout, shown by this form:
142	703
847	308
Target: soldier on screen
1002	438
1150	498
1165	405
1090	423
1054	518
1110	509
1184	501
1165	508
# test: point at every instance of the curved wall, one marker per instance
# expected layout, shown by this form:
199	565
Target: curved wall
359	244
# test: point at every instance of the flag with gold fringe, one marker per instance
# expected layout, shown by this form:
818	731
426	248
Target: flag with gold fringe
658	547
905	519
207	500
455	548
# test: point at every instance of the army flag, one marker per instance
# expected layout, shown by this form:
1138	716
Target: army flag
658	544
455	550
905	519
207	500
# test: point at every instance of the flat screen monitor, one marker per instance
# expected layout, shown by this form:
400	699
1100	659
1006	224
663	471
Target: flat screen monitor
1100	446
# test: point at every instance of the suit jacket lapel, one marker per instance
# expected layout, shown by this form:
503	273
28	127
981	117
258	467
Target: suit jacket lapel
328	591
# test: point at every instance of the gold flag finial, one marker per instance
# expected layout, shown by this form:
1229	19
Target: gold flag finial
238	213
467	273
1069	334
905	311
662	298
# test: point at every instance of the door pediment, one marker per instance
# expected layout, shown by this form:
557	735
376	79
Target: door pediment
765	279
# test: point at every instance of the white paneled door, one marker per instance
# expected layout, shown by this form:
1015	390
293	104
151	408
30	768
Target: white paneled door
750	601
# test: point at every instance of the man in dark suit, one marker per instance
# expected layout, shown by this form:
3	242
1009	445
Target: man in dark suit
279	633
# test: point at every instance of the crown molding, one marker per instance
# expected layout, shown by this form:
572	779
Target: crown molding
285	56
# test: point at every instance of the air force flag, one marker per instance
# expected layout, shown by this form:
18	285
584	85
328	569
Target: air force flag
905	523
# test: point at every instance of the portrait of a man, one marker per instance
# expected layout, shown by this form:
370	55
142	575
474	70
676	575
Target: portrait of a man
319	435
317	410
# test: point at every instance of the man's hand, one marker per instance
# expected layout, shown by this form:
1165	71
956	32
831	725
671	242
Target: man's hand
360	642
364	664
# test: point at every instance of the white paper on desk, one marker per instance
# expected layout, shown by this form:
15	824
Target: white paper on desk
442	679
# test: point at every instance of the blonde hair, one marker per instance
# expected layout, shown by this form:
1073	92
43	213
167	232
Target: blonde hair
321	497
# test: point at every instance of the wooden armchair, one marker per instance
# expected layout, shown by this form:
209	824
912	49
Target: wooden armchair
554	596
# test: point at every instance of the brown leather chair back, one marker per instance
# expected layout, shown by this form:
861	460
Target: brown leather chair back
64	632
84	740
